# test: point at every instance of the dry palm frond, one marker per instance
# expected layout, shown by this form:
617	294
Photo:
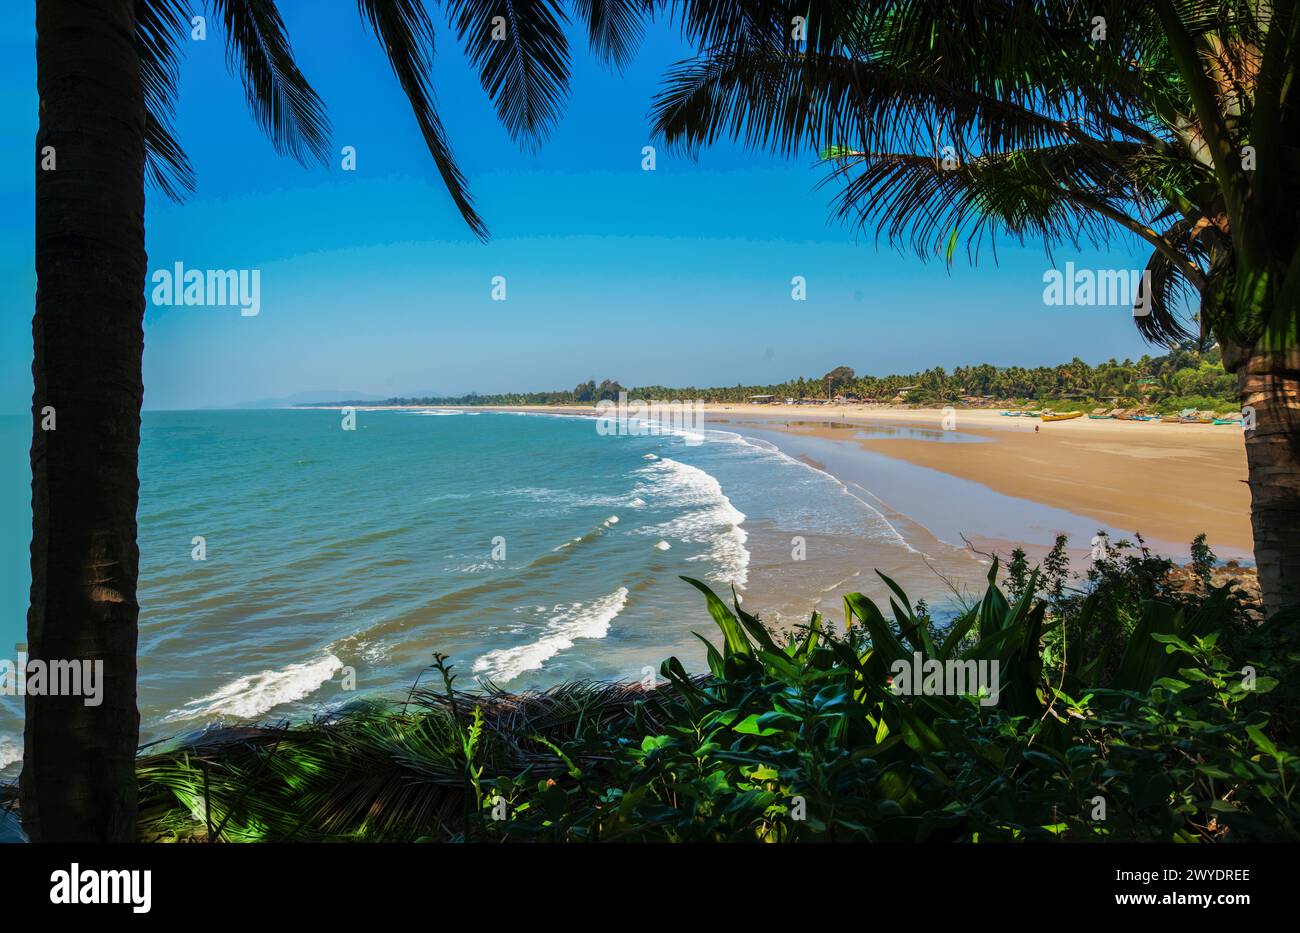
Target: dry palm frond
374	769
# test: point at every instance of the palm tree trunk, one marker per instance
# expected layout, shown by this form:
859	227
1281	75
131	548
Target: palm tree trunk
1270	395
78	779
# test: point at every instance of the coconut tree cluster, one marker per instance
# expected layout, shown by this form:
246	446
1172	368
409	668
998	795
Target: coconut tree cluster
1065	123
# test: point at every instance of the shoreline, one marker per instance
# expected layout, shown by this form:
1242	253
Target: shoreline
1168	482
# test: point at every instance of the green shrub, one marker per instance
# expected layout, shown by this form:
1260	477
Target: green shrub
1120	715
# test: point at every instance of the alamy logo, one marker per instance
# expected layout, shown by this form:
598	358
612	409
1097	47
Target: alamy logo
919	677
645	419
1098	288
105	886
215	288
36	678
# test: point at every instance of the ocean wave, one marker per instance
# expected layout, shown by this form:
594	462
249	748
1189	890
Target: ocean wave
478	566
11	750
567	498
770	449
251	696
707	516
577	620
546	414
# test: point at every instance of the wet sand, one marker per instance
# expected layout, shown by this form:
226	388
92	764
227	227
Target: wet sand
1169	482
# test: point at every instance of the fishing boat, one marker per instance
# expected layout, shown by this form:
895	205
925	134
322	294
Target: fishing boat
1227	421
1061	416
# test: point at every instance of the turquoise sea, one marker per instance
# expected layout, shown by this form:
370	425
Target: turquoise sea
530	548
288	565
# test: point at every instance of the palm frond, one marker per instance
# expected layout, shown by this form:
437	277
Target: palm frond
916	201
160	29
614	27
793	104
712	23
1171	290
1049	130
406	35
373	769
522	57
281	101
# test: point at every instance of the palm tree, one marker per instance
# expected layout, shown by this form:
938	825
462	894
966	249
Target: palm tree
107	78
1064	122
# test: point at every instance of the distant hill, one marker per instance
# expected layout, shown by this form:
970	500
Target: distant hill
313	397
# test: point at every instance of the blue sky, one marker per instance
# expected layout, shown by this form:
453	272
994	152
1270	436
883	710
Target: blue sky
371	283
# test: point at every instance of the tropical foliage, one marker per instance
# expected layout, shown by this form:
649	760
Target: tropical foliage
1183	378
1168	728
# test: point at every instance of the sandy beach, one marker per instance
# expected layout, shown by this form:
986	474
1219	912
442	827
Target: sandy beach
1167	481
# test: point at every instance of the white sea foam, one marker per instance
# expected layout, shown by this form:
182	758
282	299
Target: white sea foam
767	447
547	414
11	750
438	411
567	623
567	498
706	516
477	567
251	696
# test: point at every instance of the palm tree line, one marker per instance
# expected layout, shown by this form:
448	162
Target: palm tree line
1184	377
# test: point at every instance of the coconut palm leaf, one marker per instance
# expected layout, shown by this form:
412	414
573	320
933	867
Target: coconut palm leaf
1034	143
160	28
406	35
376	770
522	57
281	101
1170	286
614	27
